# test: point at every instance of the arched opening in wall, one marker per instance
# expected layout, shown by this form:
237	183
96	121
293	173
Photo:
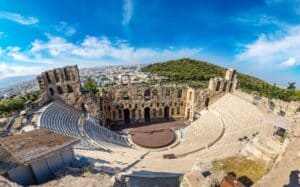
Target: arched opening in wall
147	93
167	92
83	109
51	91
224	87
48	78
188	114
126	116
298	110
67	74
230	87
179	94
70	89
114	115
178	111
218	85
56	76
133	113
166	113
206	102
60	90
120	114
190	96
147	115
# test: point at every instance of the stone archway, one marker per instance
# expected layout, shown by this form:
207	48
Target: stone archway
126	116
166	113
188	114
206	102
147	115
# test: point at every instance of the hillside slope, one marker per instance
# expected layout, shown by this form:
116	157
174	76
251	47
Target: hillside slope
195	73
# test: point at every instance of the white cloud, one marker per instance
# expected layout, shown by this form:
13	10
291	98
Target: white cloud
54	46
91	51
274	49
65	28
18	18
8	70
127	11
104	50
289	62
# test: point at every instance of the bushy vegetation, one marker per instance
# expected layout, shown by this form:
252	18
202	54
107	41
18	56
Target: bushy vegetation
10	105
196	73
90	86
242	167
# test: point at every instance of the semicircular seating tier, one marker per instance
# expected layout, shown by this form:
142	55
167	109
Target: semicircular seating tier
200	134
64	119
242	121
102	135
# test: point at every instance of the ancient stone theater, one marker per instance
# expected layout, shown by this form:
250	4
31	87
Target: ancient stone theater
125	103
144	131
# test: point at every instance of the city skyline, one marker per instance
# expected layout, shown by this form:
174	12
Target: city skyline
259	38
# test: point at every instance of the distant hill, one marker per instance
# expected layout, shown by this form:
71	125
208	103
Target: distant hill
196	73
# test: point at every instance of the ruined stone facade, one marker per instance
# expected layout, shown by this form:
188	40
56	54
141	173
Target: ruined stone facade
61	84
126	103
141	103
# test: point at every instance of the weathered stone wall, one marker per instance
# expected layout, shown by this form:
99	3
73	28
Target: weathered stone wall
61	84
92	105
128	103
139	104
217	87
274	106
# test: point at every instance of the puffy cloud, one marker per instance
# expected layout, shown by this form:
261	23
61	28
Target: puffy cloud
9	70
102	49
91	51
289	62
18	18
279	49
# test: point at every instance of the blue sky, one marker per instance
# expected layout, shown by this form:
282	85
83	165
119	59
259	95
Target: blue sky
261	38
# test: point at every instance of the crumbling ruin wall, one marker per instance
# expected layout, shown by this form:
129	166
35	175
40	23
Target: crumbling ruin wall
141	103
92	106
61	84
217	87
274	106
128	103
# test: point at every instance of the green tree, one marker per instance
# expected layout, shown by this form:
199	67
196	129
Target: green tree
291	86
91	86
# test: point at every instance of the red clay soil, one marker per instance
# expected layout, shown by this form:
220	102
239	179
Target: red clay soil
154	139
155	135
